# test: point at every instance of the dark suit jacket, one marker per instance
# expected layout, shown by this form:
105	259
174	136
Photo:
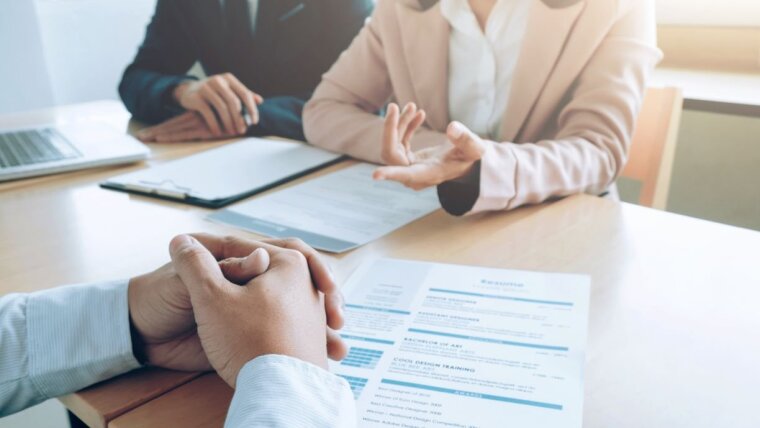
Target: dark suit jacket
295	42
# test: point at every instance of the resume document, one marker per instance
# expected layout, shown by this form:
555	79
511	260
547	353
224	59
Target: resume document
434	345
336	212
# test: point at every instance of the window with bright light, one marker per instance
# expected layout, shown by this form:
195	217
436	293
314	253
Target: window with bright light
730	13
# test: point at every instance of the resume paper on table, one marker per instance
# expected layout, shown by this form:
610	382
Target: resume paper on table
433	345
336	212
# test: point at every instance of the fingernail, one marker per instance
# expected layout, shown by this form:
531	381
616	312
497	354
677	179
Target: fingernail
342	311
456	129
257	260
183	241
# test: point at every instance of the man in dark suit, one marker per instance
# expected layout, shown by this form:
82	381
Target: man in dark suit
263	58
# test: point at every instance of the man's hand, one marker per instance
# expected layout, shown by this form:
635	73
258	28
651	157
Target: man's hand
279	312
321	275
188	126
432	166
219	100
162	316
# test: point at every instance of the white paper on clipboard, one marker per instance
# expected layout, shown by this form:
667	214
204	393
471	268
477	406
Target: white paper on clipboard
227	172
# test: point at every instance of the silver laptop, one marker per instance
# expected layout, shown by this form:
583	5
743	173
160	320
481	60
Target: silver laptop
52	149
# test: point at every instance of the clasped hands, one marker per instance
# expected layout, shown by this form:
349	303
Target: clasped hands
222	302
426	167
213	111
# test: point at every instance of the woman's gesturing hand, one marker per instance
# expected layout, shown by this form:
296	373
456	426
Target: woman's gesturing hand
400	126
431	166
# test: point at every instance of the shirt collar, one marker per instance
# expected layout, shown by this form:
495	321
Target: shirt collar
460	16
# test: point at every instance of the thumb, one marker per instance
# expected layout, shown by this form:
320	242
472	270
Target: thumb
196	266
469	144
242	270
145	135
336	347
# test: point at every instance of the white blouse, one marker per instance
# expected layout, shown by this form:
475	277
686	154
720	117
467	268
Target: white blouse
482	64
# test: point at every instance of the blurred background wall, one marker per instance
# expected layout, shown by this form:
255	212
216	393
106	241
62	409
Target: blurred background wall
709	12
56	52
24	81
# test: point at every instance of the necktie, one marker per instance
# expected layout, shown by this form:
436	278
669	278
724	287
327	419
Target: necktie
238	34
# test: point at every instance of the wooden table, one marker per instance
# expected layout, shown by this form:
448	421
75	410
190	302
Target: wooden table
674	336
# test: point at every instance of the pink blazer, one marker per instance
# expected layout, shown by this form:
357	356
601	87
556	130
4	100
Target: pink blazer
577	91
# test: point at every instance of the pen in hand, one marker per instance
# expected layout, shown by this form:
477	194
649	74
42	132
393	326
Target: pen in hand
246	116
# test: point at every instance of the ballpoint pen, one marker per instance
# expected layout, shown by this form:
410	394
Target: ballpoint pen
246	116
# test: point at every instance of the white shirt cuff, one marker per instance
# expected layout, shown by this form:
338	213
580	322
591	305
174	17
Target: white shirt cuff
78	335
280	391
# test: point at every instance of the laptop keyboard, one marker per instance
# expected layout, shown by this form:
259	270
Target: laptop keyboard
34	146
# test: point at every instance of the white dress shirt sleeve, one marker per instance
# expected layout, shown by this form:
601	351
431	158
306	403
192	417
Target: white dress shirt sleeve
58	341
279	391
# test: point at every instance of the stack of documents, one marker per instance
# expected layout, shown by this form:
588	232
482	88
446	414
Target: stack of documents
453	346
336	212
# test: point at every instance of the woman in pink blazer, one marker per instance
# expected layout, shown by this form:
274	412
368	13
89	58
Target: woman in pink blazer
506	102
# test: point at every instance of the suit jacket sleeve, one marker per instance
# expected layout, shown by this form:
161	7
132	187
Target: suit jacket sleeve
58	341
342	114
161	63
595	129
282	115
347	19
